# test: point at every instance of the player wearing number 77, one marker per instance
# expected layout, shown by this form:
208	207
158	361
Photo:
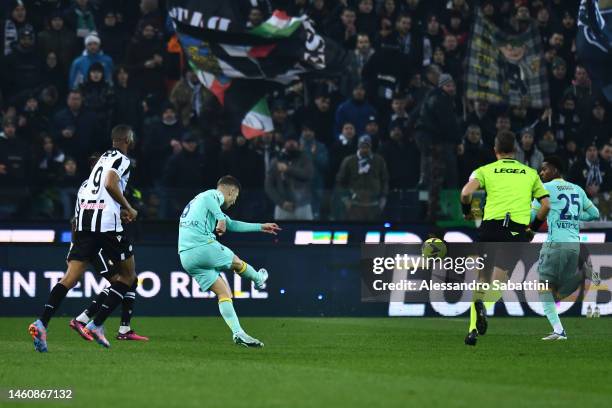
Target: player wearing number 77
559	256
204	258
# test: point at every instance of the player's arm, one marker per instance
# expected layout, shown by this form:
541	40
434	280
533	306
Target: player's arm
535	207
541	195
212	205
112	186
241	226
589	211
474	183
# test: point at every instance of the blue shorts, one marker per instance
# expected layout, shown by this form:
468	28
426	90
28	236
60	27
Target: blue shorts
206	262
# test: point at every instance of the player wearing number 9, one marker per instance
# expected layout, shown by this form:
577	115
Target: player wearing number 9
559	256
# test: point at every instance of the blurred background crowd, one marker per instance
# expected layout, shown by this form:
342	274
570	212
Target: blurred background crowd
393	138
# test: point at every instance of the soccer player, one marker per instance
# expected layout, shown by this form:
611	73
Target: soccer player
559	256
108	270
203	257
98	227
510	186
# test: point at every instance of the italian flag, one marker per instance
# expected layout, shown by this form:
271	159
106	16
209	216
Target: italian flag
279	25
258	121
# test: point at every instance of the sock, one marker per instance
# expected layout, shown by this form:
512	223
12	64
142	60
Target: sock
115	296
127	307
472	317
58	293
550	309
226	308
249	272
94	307
124	329
488	297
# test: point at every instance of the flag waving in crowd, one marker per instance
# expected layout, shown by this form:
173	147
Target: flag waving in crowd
594	42
240	63
506	68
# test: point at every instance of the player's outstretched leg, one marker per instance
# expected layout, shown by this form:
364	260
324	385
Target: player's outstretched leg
117	291
127	308
244	269
226	309
550	309
38	329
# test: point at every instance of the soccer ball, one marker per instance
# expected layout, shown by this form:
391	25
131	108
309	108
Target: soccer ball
434	248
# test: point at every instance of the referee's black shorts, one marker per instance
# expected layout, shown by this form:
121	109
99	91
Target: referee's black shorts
495	231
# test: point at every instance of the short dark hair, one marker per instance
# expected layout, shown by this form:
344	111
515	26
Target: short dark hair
504	142
229	181
556	162
121	132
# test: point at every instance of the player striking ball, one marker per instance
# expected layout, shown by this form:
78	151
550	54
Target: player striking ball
98	227
203	257
559	256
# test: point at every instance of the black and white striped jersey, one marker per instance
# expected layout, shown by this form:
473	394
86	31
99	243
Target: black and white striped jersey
96	210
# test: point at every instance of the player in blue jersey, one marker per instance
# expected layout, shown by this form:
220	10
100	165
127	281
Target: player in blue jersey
559	256
204	258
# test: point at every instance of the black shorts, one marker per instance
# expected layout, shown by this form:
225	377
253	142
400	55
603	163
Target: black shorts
494	231
103	250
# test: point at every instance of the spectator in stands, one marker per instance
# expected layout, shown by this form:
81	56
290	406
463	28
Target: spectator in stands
362	53
16	155
145	58
580	88
474	153
92	53
98	97
439	140
59	40
593	173
24	67
547	143
565	120
345	31
596	128
453	59
408	38
570	152
80	17
32	121
76	128
187	97
558	80
183	174
398	110
402	157
127	108
289	184
151	14
527	151
356	110
282	123
48	161
319	156
54	75
363	182
482	117
343	147
161	139
9	27
321	117
68	186
432	38
366	20
113	36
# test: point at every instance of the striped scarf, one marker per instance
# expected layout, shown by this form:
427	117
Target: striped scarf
594	177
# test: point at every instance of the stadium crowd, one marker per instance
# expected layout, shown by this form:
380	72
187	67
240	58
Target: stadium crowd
352	147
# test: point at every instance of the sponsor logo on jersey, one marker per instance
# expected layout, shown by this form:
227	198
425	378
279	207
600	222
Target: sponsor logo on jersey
507	170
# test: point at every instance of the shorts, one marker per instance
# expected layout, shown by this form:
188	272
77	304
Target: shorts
205	262
558	265
102	249
493	231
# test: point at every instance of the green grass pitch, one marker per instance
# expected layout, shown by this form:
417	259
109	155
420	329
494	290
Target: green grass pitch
317	362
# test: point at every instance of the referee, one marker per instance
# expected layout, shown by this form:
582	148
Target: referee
510	187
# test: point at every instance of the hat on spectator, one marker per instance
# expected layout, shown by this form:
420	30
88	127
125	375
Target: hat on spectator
92	38
26	31
56	14
13	4
371	119
527	130
365	139
397	123
278	104
188	137
557	62
445	79
96	66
